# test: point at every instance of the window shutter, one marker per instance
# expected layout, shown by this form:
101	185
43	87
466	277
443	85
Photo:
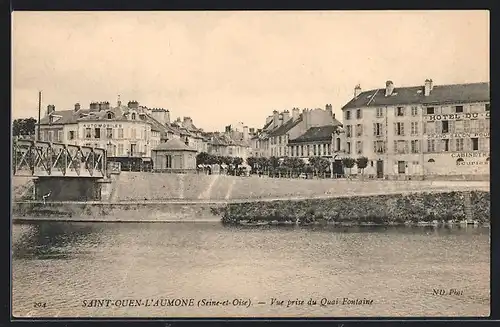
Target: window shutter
374	146
374	129
395	129
395	146
438	127
451	126
419	145
424	129
402	128
406	147
395	111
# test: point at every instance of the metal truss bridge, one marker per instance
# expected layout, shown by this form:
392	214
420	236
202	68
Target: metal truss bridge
39	159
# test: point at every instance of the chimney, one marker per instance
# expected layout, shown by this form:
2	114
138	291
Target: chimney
245	133
101	106
357	90
329	109
305	118
275	119
93	106
50	109
286	116
77	106
133	105
428	87
268	119
389	87
280	119
167	117
118	102
295	113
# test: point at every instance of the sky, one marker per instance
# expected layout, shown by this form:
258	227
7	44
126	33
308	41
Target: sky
223	67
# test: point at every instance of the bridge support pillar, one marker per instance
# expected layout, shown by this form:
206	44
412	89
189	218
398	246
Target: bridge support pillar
68	188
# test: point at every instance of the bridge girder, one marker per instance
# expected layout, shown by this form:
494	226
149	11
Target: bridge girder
39	158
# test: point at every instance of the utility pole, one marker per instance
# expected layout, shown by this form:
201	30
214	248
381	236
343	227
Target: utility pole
39	113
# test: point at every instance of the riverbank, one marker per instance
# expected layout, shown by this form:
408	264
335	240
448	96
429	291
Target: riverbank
412	208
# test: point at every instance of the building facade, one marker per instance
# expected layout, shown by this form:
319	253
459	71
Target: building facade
421	132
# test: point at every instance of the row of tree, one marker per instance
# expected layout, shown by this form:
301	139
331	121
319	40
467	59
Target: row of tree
292	166
204	158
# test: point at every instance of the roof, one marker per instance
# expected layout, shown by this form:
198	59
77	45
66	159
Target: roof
321	133
283	129
173	145
440	94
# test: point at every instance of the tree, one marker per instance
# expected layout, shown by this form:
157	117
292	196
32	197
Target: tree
362	163
323	165
274	163
237	161
348	163
24	126
252	162
202	158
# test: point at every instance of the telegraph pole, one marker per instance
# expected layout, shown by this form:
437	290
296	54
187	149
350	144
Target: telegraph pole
39	113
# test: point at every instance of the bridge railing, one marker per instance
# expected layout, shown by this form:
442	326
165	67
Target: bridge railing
39	158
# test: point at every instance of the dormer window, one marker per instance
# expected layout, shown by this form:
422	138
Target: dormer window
133	116
110	115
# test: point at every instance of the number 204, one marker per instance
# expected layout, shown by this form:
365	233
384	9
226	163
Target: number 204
40	305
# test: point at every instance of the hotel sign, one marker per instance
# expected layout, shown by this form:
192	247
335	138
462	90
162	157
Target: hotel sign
471	115
457	135
102	125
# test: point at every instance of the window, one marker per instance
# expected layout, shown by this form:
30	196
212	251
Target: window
399	128
487	107
414	111
459	144
401	167
474	126
358	113
133	116
459	160
379	146
445	145
400	111
459	126
168	161
414	128
359	129
359	147
475	144
110	115
109	133
347	115
430	160
97	133
71	135
415	146
459	109
431	146
348	147
348	130
279	139
430	110
120	149
120	133
88	133
377	129
430	127
445	127
301	150
132	135
380	112
337	147
399	146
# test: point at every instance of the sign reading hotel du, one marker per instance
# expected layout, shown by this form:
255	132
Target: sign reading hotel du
468	115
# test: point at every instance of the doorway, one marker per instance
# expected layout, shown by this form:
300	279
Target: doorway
380	169
401	167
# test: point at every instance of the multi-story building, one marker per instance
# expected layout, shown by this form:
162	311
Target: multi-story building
281	128
426	131
125	131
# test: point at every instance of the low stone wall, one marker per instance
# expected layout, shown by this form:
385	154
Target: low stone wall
116	212
377	209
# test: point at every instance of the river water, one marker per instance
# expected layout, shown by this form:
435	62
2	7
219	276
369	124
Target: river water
59	268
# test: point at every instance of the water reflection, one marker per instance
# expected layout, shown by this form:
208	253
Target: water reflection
50	240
